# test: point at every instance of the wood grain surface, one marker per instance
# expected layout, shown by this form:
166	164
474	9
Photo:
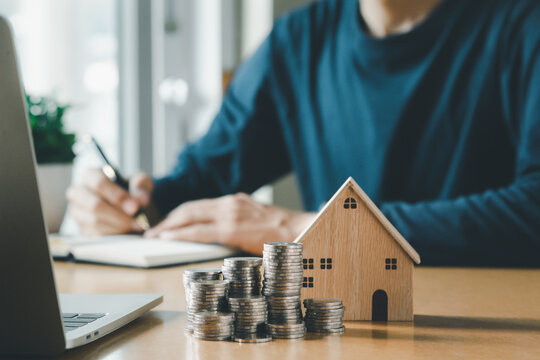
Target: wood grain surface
459	314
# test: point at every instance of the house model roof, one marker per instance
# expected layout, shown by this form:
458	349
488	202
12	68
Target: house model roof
350	183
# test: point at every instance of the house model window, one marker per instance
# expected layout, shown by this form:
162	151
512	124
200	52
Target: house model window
308	264
308	282
326	263
391	264
350	203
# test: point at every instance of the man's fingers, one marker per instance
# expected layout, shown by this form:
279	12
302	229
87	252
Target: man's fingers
91	210
200	211
96	181
90	224
204	233
141	187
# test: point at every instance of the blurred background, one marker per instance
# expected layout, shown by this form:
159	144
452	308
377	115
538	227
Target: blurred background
144	77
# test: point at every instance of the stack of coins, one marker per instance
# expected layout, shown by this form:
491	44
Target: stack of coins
251	315
213	325
324	315
282	284
245	275
199	274
195	274
206	295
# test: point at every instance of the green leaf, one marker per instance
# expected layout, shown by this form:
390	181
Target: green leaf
51	143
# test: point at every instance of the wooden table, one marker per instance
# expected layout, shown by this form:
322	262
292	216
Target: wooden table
460	314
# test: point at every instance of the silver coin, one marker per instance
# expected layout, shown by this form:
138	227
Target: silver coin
324	309
282	286
339	330
293	255
279	319
204	337
300	325
288	337
329	325
280	252
252	313
291	310
253	338
281	249
331	309
282	272
323	302
272	299
214	315
282	333
282	244
201	271
291	282
282	261
269	256
248	299
281	312
243	259
250	278
283	275
325	320
249	307
289	292
285	307
242	273
325	313
210	282
247	316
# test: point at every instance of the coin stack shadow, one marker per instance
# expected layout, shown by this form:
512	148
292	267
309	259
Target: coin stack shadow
282	284
245	275
191	275
324	315
251	315
210	297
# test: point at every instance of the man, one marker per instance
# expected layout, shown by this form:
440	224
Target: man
433	106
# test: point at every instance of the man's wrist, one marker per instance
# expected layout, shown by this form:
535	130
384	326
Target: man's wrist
297	222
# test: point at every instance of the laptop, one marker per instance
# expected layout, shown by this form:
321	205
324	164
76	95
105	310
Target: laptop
34	319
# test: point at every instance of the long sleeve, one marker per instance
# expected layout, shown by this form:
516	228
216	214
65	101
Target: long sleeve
243	149
499	226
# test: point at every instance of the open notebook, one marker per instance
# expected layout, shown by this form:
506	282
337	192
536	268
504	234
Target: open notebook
133	250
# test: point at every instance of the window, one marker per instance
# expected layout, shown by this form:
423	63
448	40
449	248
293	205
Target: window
391	264
350	203
308	264
308	282
326	263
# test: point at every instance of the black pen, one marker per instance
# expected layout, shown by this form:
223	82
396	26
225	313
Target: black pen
114	175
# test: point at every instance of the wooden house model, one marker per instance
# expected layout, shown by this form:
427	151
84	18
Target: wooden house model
352	252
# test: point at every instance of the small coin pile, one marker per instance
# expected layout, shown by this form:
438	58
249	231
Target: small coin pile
213	325
191	275
245	275
282	284
251	315
324	315
206	295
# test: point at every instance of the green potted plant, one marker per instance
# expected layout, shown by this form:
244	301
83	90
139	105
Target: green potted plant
54	154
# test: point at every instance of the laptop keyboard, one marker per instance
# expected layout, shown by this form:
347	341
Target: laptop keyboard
74	321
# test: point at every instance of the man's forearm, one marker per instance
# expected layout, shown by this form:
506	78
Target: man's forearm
500	227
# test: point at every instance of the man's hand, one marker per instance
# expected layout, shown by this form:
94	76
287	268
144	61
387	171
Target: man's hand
234	220
101	207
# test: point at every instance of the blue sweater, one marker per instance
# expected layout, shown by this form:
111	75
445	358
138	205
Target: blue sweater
440	126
